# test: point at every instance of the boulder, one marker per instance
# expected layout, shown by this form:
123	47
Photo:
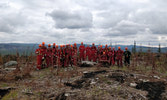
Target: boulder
10	63
133	84
87	64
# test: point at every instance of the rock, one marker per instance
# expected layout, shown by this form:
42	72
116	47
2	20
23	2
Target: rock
93	81
85	72
87	64
27	92
133	84
10	63
67	94
156	77
10	69
146	80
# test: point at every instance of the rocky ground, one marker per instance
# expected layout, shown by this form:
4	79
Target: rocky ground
85	83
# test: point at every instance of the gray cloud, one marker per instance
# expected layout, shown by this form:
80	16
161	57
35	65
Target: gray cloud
11	20
154	19
69	21
72	20
125	28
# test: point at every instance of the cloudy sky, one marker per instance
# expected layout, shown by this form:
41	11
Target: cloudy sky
98	21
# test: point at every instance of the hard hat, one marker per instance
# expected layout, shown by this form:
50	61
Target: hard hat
119	47
49	45
43	43
40	45
126	48
104	53
54	44
61	45
71	46
57	46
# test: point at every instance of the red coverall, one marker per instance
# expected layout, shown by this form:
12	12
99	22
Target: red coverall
82	52
67	56
106	51
62	57
100	53
75	57
39	58
71	56
88	53
113	56
110	56
54	56
59	53
49	57
93	53
119	55
103	56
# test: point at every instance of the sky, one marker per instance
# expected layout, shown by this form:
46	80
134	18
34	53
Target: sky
87	21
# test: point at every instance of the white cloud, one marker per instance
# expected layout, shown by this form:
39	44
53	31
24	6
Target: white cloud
69	21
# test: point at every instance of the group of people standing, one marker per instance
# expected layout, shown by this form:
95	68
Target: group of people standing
69	55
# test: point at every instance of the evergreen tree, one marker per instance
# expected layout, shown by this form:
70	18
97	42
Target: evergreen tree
134	48
159	49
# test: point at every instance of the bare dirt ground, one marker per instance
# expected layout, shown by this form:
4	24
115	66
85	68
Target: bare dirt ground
82	83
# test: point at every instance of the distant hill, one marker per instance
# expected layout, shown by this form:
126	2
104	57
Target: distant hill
26	49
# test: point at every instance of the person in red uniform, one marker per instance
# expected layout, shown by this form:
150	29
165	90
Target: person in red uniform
81	52
110	55
62	56
71	55
67	55
49	56
100	52
44	52
93	53
75	57
113	56
54	55
39	57
104	56
75	47
106	50
59	55
119	55
88	53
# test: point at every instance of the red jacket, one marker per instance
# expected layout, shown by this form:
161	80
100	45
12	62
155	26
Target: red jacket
119	54
81	48
88	50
